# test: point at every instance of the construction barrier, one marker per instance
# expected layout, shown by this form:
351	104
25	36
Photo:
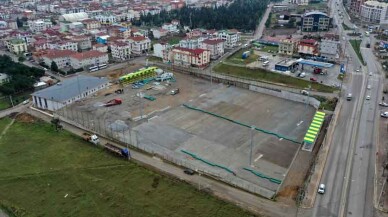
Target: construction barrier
141	74
242	124
315	127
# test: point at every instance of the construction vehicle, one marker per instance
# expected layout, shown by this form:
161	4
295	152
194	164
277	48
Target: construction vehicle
175	91
119	91
113	102
92	138
117	150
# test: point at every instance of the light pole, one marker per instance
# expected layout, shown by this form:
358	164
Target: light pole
251	148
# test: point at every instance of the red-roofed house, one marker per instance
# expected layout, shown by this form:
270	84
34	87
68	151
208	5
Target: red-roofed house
189	57
140	45
308	47
88	58
120	50
101	47
60	57
215	46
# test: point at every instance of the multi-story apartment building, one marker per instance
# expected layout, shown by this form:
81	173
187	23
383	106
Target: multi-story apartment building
231	37
88	58
63	45
91	24
140	45
215	46
374	12
329	47
120	50
39	25
191	43
17	46
189	57
308	47
159	49
60	57
288	46
315	21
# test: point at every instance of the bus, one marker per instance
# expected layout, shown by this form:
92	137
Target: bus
102	66
93	68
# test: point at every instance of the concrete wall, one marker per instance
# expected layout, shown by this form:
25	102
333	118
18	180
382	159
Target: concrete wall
287	95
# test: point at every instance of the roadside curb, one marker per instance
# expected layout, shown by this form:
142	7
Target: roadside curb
309	200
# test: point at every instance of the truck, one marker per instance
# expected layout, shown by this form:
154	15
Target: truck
92	138
113	102
245	54
123	152
317	70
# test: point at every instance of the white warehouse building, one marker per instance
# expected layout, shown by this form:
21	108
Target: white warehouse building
67	92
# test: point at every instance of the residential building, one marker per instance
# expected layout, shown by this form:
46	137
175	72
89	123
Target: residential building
170	27
159	33
4	78
74	17
91	24
60	57
101	47
308	47
106	19
299	2
120	50
231	37
215	46
68	91
329	48
189	57
288	47
17	46
83	42
63	45
39	25
88	58
374	12
140	45
315	21
355	6
191	43
159	49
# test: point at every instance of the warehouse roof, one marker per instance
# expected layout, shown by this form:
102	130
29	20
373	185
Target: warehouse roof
70	88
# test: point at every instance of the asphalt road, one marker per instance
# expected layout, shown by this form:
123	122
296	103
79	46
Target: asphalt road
349	170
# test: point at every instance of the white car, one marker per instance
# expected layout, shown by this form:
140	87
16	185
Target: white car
383	104
357	70
367	97
321	189
370	73
384	114
368	87
302	75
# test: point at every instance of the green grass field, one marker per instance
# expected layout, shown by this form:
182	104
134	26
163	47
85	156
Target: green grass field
263	75
48	173
346	27
5	101
356	44
236	58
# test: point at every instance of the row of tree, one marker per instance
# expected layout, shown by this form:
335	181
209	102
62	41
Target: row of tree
243	15
22	77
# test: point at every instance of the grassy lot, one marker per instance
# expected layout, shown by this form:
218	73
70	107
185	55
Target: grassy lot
346	27
48	173
356	44
5	101
269	49
236	58
154	59
341	77
327	104
263	75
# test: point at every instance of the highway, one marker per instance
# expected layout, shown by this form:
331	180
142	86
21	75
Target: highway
350	167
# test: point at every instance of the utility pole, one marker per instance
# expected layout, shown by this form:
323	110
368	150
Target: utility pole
10	98
251	148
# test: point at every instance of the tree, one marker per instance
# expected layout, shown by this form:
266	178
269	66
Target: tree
21	59
19	23
54	66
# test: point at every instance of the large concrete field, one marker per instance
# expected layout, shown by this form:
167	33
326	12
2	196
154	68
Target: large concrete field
170	127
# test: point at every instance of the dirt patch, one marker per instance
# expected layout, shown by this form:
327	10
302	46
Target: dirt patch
26	118
289	192
13	115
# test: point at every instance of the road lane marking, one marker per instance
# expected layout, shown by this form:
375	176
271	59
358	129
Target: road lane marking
258	158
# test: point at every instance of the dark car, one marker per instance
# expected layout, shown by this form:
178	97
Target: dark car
189	171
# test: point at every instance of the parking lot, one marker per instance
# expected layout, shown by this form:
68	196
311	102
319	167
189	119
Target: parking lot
330	79
168	129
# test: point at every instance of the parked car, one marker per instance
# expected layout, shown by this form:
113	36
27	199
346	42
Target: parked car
175	91
189	171
384	104
384	114
321	189
303	74
367	97
349	97
304	92
368	87
313	79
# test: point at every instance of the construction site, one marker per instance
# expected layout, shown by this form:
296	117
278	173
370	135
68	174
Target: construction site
244	138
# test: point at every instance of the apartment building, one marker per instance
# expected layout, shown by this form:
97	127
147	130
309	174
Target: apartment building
139	45
91	24
63	45
60	57
329	47
308	47
288	47
215	46
231	37
120	50
191	43
189	57
374	12
315	21
17	46
39	25
88	58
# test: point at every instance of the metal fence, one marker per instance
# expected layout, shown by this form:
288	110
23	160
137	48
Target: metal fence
132	138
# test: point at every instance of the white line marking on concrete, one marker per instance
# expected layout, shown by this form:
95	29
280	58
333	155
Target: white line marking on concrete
258	157
280	139
299	123
202	95
153	117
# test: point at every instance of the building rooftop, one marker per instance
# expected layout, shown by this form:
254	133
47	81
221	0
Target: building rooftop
70	88
194	51
88	55
213	41
52	54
